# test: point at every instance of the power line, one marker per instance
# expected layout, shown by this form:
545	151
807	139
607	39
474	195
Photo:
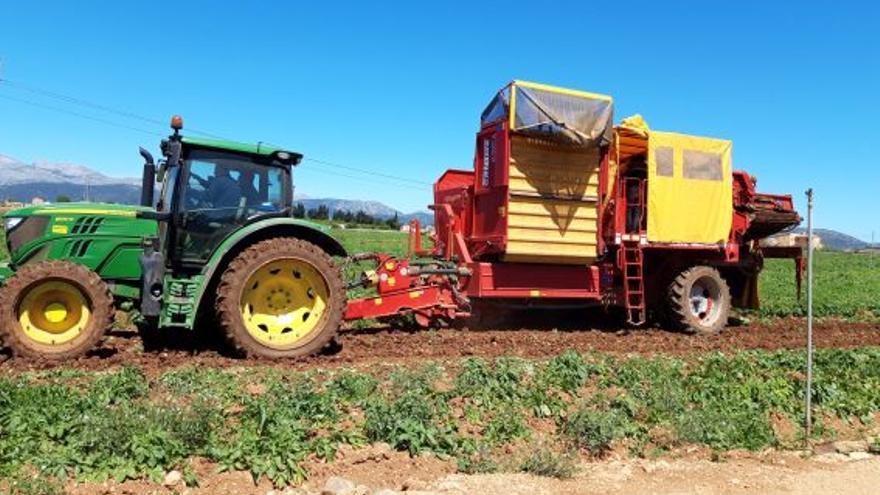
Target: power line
365	171
96	106
131	115
355	177
77	114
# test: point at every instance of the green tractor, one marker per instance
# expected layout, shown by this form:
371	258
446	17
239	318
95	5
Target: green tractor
221	242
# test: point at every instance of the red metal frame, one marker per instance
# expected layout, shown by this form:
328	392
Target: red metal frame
526	280
402	288
489	224
470	213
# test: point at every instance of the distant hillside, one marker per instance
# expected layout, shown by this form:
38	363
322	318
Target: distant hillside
835	240
372	208
21	181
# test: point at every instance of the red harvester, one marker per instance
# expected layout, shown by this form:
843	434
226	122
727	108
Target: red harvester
562	207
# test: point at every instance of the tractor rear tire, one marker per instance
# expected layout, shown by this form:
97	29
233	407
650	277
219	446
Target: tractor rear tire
281	298
54	310
698	301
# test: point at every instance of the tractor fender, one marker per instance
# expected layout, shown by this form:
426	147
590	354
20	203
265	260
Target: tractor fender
258	231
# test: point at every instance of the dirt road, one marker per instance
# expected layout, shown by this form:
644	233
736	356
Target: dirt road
767	473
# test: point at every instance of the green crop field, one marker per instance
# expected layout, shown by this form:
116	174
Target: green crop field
508	414
846	284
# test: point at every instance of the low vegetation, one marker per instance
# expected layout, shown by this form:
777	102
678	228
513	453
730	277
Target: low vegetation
120	424
345	218
845	284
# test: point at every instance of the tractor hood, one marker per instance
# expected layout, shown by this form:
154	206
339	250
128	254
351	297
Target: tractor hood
99	209
103	237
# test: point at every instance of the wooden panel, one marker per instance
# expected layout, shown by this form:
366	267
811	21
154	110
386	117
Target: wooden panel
543	222
549	252
524	205
552	208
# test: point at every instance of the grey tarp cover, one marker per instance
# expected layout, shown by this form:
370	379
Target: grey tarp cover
576	119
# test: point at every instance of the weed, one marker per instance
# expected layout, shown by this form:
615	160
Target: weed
569	371
353	387
121	386
480	462
506	425
22	484
592	429
412	421
545	462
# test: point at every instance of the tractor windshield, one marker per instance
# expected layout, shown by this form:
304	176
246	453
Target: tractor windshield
222	191
221	180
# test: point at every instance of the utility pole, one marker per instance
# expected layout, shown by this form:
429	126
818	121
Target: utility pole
808	395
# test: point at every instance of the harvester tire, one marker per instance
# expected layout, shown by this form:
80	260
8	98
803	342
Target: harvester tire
698	301
54	310
281	298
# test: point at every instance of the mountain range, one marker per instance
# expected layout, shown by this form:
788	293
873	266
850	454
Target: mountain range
23	182
837	241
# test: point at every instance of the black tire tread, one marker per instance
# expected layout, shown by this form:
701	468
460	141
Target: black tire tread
94	289
237	273
678	304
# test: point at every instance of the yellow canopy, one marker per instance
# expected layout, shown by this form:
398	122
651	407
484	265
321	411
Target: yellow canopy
690	195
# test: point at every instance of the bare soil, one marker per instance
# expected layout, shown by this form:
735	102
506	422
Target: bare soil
769	472
532	339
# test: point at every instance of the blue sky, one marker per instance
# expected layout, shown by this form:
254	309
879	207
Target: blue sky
397	88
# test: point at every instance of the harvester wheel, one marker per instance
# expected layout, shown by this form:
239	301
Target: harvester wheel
699	301
281	298
54	310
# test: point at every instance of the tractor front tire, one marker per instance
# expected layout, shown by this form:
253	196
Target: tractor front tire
698	301
54	310
281	298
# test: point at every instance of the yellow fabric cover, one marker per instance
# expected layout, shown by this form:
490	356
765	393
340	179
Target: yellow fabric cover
636	123
698	209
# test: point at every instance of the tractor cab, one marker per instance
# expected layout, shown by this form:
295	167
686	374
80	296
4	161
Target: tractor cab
211	188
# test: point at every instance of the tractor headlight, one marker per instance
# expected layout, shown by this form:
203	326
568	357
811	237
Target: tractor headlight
11	222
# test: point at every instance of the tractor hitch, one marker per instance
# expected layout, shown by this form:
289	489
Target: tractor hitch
430	292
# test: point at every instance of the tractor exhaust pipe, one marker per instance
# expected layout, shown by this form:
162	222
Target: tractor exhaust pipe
149	178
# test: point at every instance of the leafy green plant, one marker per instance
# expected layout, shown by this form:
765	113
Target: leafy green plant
353	387
506	425
120	424
593	429
412	422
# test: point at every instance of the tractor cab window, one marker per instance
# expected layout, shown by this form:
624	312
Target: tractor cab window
223	191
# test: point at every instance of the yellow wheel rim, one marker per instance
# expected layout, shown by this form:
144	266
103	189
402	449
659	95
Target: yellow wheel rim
53	313
283	302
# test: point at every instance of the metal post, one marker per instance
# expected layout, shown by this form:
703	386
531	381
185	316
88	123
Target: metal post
809	388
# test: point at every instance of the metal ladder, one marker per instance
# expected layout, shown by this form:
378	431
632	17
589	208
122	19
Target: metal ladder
631	254
633	283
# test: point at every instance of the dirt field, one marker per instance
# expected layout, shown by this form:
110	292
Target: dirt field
384	345
766	473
